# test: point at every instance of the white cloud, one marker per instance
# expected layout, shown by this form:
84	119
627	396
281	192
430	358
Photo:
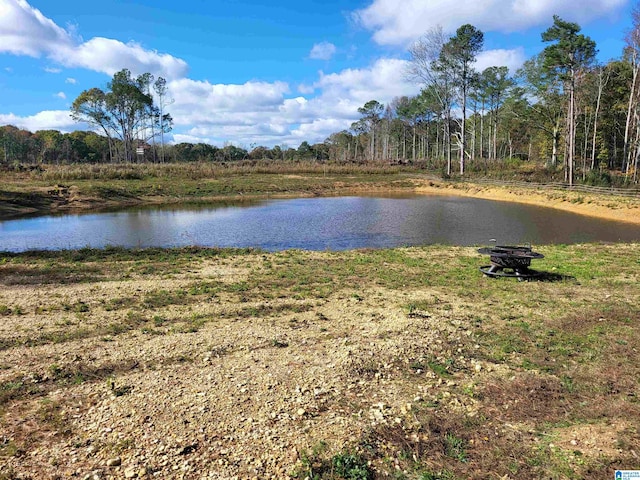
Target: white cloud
394	25
61	95
24	30
202	95
322	51
262	113
306	89
513	59
216	113
52	70
265	113
109	56
382	81
181	138
45	120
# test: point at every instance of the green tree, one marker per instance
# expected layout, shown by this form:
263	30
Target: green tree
124	112
543	92
496	82
91	107
371	112
410	111
50	145
304	151
569	53
458	55
339	146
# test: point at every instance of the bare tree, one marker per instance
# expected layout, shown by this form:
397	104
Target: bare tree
632	54
161	90
426	69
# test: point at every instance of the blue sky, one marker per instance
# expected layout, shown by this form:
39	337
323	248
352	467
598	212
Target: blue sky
254	72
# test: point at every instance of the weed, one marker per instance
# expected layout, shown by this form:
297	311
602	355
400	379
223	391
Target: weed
153	331
204	288
455	447
438	368
53	414
351	466
279	343
346	465
9	448
78	307
118	303
118	390
163	298
416	310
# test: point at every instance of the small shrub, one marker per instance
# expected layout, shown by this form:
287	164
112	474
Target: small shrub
598	179
351	467
343	465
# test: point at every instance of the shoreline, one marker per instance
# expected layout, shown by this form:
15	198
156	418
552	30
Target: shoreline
619	209
41	201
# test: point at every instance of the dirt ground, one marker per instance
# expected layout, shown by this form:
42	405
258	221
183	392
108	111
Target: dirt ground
219	364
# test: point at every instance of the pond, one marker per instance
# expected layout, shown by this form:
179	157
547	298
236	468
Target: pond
333	223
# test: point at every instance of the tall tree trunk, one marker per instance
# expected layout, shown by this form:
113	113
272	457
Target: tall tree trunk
572	133
448	140
632	95
404	142
414	141
473	135
555	141
495	134
463	136
426	147
595	121
437	152
482	130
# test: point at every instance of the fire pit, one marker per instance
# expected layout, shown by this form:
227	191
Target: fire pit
509	261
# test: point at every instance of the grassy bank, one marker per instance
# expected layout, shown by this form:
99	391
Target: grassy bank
82	187
402	363
94	187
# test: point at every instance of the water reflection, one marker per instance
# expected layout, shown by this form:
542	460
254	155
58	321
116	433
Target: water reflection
316	224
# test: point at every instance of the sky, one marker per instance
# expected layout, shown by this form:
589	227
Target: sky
254	72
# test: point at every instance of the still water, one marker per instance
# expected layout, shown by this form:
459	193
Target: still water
334	223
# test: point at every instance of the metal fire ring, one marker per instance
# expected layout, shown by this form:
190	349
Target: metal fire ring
510	261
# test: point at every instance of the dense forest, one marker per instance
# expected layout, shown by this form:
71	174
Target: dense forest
562	109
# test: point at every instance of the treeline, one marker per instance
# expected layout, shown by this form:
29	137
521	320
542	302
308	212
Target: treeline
562	109
18	146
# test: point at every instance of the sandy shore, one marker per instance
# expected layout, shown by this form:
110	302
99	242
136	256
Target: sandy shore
621	209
